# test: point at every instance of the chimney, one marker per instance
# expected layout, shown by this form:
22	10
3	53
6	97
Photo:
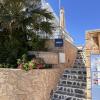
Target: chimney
62	18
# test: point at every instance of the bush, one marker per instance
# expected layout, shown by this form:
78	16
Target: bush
35	63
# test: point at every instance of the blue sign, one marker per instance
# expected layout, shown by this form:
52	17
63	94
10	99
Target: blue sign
58	42
95	76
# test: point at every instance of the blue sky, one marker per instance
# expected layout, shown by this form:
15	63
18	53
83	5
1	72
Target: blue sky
81	15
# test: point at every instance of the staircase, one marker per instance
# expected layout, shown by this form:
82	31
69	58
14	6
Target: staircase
72	83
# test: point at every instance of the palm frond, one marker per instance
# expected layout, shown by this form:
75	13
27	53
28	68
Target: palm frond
47	27
43	13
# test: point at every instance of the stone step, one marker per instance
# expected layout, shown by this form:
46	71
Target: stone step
77	66
71	93
80	54
72	86
68	98
70	90
79	63
72	68
79	57
65	96
79	60
74	77
67	86
73	83
80	67
56	99
75	72
63	80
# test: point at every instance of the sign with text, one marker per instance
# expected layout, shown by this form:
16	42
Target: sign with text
59	43
95	77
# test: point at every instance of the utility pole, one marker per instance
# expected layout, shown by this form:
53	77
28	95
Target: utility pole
61	20
59	17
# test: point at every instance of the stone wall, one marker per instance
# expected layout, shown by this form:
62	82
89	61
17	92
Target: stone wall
46	56
69	49
70	53
16	84
92	46
36	84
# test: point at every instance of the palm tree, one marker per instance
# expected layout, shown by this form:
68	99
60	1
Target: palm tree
15	15
20	22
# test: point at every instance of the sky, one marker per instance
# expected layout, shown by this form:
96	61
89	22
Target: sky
80	16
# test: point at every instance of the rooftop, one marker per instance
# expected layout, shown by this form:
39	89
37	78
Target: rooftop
93	31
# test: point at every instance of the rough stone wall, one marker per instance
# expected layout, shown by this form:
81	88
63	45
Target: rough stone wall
33	85
69	49
90	47
99	41
37	84
46	56
70	53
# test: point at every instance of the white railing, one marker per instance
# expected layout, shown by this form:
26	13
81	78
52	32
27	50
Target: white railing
59	31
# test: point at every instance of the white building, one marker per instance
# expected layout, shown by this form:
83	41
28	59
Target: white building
58	22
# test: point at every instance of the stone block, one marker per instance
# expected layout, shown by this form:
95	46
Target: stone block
4	97
88	36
